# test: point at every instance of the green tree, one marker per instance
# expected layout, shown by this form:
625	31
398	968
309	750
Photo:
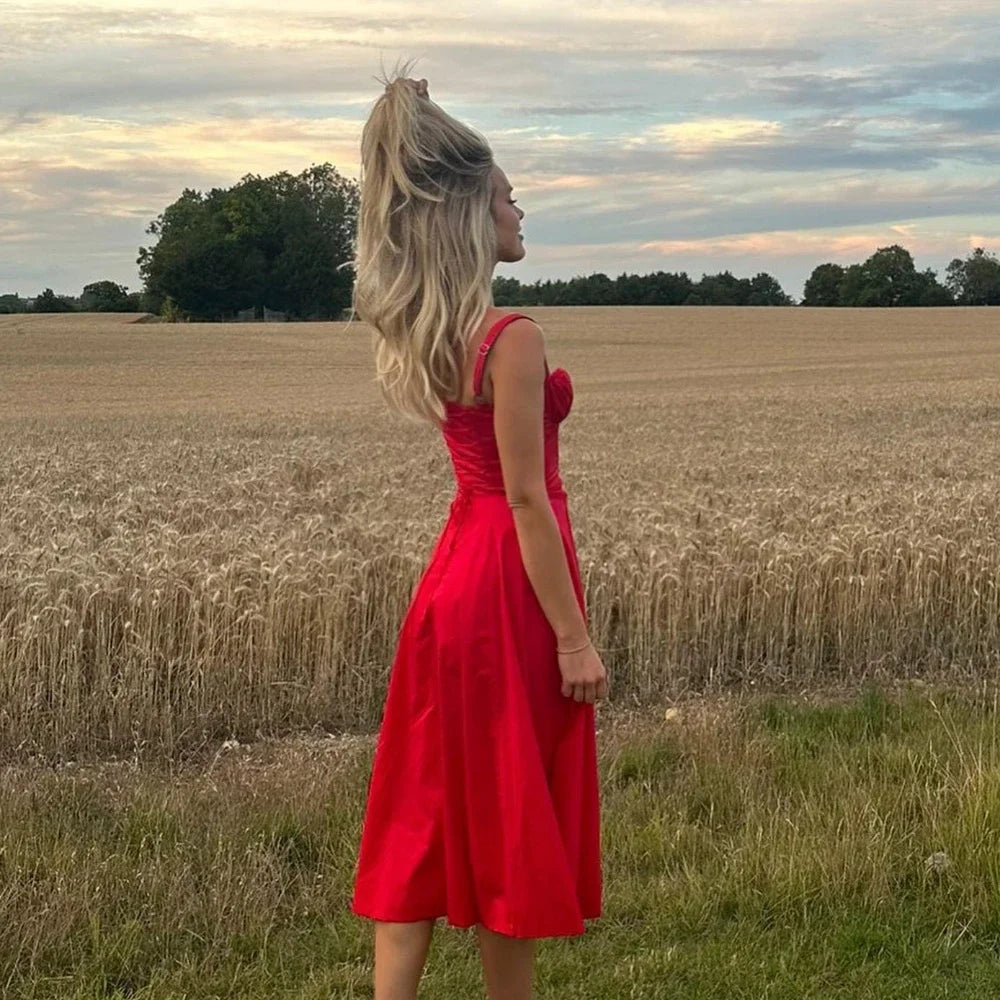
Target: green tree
179	228
629	289
199	262
312	275
975	281
823	286
765	290
105	296
600	290
888	277
723	289
49	302
666	289
281	242
929	291
12	303
851	285
507	292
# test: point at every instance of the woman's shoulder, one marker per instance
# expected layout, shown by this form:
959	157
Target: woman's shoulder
521	318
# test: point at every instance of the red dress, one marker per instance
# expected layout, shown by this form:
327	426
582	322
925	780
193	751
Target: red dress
483	802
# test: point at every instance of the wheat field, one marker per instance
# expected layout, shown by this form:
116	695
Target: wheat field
212	531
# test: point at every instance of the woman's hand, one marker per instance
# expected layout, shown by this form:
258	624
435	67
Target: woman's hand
583	674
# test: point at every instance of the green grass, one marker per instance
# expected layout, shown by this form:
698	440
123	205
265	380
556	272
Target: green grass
754	847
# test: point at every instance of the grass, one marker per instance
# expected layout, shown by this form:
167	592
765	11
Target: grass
765	845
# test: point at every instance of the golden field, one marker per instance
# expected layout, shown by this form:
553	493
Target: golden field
212	531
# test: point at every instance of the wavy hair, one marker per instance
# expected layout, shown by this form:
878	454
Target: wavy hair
426	245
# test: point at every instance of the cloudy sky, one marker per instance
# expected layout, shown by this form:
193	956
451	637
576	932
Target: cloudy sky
753	135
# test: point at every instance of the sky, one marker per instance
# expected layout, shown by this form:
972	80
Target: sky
772	135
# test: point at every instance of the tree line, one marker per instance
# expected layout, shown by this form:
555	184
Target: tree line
285	245
887	278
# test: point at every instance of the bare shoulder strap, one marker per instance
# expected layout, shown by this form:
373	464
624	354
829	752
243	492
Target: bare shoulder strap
484	349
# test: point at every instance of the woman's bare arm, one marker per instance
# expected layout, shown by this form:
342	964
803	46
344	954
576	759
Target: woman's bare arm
517	361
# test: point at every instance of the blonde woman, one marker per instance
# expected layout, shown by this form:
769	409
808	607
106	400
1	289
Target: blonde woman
483	801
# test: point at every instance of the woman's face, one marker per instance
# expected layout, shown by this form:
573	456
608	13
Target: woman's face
507	219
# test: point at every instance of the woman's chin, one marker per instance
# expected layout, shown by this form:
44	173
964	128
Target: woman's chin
512	254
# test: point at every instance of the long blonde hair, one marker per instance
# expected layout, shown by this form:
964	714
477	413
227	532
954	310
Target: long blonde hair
426	246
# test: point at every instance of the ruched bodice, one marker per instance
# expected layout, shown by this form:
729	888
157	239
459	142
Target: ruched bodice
470	438
471	441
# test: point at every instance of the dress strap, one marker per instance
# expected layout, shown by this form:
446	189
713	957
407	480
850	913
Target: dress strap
484	349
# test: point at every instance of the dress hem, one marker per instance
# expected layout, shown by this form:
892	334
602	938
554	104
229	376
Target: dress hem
506	930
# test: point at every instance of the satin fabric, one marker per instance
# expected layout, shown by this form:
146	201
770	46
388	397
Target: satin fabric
483	801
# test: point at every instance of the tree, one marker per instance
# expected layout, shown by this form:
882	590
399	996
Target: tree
723	289
507	292
975	281
666	289
601	290
281	242
888	277
12	303
851	286
180	227
312	275
49	302
105	296
822	287
766	291
657	289
930	292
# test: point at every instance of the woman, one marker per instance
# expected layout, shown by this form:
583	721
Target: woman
483	802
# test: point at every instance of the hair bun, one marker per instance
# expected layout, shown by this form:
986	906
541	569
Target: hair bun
420	86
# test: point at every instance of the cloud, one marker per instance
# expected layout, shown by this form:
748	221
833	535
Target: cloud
571	109
640	130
